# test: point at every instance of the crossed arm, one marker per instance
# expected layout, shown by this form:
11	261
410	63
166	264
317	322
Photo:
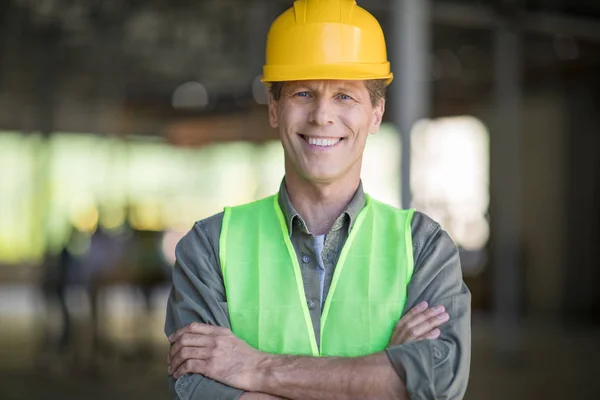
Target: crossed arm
217	353
219	363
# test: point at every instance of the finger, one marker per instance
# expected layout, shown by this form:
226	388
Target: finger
425	326
197	327
410	320
188	354
191	340
394	338
431	335
191	367
419	308
424	316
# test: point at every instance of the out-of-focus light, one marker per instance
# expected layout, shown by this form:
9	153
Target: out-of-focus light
381	166
450	177
190	95
79	244
270	165
566	47
112	219
169	242
146	217
86	221
260	91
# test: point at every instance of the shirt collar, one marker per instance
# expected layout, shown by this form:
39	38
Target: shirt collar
292	218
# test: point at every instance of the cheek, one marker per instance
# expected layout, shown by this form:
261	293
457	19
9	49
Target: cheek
292	117
357	122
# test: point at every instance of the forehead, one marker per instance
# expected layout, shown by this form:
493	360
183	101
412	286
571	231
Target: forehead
328	85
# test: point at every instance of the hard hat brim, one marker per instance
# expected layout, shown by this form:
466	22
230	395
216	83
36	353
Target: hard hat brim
336	71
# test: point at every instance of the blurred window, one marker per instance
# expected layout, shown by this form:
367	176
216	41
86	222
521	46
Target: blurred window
450	180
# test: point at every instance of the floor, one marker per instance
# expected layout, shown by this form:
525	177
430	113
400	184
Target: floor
553	363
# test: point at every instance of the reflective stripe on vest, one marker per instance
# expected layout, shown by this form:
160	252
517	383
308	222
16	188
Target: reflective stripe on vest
265	293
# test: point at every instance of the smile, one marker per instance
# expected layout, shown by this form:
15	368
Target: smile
321	142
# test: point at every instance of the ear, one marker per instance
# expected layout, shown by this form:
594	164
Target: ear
273	117
378	111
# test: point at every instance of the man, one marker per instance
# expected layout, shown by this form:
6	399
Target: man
320	292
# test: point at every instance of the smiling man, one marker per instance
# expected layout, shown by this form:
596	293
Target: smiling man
320	291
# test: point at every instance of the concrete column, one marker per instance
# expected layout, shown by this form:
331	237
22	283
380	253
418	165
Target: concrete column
411	46
260	19
581	276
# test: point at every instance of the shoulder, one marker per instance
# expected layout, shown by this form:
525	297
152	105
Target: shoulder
252	206
426	233
211	225
430	240
423	228
207	232
204	235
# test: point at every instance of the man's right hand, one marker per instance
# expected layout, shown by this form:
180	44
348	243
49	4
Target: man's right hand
419	323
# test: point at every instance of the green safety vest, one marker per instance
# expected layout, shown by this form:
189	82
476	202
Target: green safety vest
265	293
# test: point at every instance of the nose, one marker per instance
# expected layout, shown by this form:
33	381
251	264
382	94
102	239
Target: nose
322	113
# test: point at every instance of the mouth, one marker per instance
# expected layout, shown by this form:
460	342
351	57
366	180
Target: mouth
321	141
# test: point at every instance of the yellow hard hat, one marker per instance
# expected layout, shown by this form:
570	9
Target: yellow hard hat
326	39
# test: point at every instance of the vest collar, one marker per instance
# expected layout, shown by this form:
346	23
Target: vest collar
292	218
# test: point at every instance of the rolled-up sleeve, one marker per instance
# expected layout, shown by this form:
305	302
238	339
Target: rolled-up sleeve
198	295
436	369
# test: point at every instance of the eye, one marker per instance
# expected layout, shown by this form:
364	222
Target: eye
302	94
343	96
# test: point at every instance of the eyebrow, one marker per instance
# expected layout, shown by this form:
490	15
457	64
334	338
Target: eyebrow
340	88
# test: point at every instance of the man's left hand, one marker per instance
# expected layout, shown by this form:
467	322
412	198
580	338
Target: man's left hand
216	353
420	323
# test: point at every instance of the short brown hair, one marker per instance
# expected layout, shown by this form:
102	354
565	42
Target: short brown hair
377	90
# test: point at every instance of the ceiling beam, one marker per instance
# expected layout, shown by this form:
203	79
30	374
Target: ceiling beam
545	23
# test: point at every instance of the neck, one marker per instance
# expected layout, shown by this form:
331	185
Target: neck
320	204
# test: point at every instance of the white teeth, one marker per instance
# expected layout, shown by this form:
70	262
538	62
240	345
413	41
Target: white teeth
323	142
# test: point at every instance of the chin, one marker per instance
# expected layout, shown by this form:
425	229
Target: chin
320	177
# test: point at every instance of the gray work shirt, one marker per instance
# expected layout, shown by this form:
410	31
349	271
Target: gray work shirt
430	368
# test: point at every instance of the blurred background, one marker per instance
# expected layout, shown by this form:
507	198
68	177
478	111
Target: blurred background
123	122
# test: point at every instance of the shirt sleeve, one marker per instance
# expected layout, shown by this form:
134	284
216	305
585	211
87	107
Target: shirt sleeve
436	369
198	295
